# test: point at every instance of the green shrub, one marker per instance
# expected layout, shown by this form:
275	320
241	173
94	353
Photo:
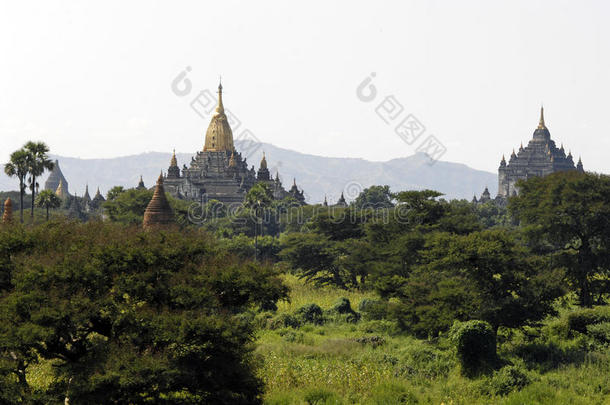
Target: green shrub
580	319
391	394
310	313
507	379
475	342
550	355
373	341
373	309
261	320
366	304
342	312
424	360
343	306
321	396
293	336
600	332
283	321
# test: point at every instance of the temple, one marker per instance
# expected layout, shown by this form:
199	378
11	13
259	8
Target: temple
220	172
540	157
56	177
158	212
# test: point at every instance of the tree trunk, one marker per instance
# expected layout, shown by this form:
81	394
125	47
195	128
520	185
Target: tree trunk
47	213
33	196
21	193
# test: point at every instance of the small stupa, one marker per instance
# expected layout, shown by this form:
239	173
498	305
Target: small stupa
158	212
7	217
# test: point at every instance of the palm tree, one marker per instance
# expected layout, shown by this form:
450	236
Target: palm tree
18	167
258	199
38	162
48	199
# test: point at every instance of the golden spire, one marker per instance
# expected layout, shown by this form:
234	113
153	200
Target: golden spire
541	123
219	136
174	161
220	108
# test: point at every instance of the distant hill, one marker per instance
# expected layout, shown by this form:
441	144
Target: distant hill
317	175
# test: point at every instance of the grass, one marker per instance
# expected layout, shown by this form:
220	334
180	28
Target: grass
302	293
331	363
328	365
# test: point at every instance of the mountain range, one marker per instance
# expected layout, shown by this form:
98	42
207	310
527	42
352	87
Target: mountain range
319	176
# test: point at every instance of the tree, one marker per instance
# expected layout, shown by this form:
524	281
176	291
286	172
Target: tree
127	206
485	275
48	199
258	199
114	192
567	216
374	197
320	260
38	162
128	316
312	256
339	223
18	166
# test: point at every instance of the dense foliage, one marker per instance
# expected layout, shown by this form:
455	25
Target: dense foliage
390	295
127	316
567	216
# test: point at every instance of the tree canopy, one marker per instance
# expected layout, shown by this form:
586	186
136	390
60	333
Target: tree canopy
127	316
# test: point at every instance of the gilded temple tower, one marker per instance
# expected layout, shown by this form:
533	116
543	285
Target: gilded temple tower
219	172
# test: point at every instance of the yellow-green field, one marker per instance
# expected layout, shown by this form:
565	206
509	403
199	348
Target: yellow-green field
326	365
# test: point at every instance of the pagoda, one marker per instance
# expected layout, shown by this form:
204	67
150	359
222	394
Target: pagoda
158	212
219	171
540	157
7	216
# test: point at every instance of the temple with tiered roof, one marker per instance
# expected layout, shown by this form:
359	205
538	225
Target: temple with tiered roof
219	171
55	179
540	157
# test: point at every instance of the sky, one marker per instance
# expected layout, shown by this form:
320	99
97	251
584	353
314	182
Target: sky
101	79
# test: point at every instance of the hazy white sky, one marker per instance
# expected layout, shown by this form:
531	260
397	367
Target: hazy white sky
94	79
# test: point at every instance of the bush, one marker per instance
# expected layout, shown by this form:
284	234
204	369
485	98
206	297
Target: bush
321	396
283	321
507	379
550	355
392	393
342	312
374	341
600	332
580	319
342	306
292	336
310	313
475	342
262	319
374	309
425	361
